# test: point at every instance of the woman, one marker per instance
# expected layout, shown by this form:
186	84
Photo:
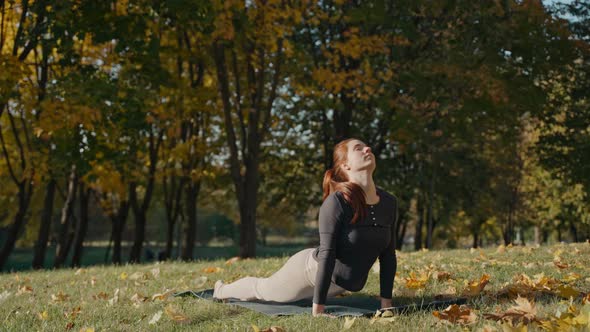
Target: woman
356	225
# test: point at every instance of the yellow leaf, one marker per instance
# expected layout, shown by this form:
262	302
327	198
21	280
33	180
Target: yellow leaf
123	276
474	288
567	291
43	315
87	329
174	314
212	269
348	323
59	297
572	277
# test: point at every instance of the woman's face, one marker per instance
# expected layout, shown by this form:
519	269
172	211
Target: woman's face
359	157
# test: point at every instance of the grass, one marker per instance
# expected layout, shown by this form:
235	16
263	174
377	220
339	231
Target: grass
121	298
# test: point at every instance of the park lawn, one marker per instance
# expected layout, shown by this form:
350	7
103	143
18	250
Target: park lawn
136	297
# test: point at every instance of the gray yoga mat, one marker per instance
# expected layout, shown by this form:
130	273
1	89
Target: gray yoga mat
353	305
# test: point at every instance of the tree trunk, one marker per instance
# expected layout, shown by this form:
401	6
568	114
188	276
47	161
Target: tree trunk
192	194
119	219
429	213
24	198
65	234
419	224
45	229
139	234
475	234
81	226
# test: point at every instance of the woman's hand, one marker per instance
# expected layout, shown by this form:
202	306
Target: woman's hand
317	310
386	303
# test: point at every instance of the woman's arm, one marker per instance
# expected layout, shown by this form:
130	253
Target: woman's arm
388	265
330	216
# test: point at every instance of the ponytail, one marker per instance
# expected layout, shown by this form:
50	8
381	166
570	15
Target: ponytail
353	194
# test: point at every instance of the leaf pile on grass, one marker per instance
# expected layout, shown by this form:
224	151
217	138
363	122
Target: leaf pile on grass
508	288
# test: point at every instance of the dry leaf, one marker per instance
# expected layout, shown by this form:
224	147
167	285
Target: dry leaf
414	282
212	269
123	276
566	291
560	264
137	276
501	249
73	313
155	272
586	299
43	315
162	296
138	299
523	312
572	276
59	297
457	315
232	260
348	323
273	329
115	298
200	281
87	329
4	296
156	317
475	287
24	289
442	275
101	295
174	314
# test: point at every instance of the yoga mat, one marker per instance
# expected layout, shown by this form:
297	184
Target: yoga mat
352	305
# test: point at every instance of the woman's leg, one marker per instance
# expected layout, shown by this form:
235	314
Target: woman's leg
294	281
290	283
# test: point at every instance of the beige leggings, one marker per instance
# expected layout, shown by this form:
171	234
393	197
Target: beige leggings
294	281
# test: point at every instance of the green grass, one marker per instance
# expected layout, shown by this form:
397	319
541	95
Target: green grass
76	299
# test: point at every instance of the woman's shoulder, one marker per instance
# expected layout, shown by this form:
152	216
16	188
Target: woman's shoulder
335	201
386	195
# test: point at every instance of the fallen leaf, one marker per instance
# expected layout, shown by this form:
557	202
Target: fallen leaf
571	277
162	296
273	329
123	276
115	298
442	275
156	317
232	260
501	249
101	295
212	269
138	299
560	264
348	323
73	313
509	327
174	314
87	329
456	314
59	297
43	315
586	299
137	276
24	289
415	282
523	312
155	272
4	296
475	287
566	291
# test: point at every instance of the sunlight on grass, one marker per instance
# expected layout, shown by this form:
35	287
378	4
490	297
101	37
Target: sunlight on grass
556	281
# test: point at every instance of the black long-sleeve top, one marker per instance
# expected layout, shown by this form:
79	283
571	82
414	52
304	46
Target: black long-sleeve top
347	251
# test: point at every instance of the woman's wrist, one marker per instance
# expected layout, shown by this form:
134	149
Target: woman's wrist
386	303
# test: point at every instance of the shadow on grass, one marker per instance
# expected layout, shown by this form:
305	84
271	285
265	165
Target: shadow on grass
21	258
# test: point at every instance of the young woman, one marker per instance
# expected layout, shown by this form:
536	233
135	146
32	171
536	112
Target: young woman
356	226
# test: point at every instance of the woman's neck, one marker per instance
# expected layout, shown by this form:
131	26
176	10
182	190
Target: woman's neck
365	181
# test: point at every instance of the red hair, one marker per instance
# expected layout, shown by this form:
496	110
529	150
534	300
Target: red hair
335	179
